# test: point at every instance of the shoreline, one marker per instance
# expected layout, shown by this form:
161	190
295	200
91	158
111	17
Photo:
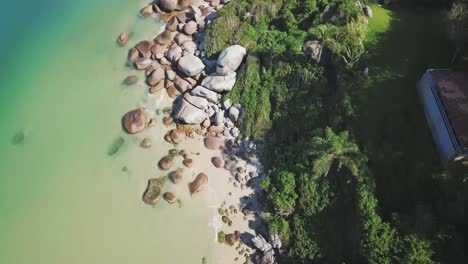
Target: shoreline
230	189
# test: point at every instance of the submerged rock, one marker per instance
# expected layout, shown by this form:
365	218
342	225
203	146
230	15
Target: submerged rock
123	38
145	143
131	79
199	183
115	146
146	11
135	121
18	138
152	192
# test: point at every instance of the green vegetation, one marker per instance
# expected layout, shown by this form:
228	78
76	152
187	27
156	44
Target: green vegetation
352	171
221	237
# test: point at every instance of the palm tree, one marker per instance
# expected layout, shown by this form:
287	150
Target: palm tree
333	148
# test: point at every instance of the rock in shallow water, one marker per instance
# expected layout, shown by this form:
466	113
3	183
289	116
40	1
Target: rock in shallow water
115	146
166	163
123	38
135	121
170	197
131	79
199	183
176	176
153	191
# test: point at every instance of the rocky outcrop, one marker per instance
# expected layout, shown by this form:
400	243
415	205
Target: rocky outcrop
199	183
135	121
152	192
230	59
275	241
146	11
266	258
261	243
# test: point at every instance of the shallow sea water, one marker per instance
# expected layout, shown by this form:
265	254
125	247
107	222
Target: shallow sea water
62	198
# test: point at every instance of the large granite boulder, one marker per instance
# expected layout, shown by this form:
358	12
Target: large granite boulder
146	11
167	5
135	121
152	192
230	59
190	65
188	113
234	114
174	54
172	24
201	91
199	183
220	83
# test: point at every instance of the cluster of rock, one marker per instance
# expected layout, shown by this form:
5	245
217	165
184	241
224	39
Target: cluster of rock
267	248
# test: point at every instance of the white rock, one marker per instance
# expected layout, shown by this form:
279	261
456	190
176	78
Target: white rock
230	59
198	102
227	104
220	83
218	118
203	92
188	113
234	114
190	65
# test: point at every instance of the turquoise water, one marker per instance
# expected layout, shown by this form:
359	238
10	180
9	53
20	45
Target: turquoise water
62	199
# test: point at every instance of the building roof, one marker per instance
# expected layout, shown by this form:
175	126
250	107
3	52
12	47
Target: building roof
452	89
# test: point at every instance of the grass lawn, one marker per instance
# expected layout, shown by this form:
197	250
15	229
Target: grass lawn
378	24
391	124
